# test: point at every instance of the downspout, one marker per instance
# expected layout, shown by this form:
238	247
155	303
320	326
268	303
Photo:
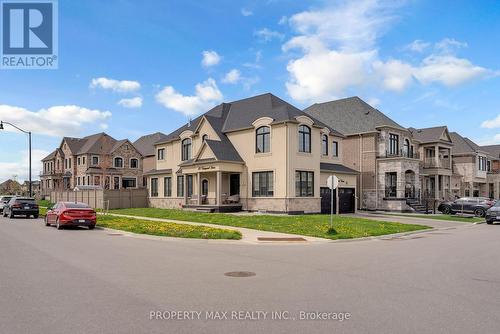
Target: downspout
287	165
360	171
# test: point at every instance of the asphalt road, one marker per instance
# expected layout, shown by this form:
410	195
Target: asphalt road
80	281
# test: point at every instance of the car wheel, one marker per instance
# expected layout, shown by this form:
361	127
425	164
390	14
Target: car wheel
91	227
488	222
11	215
58	225
479	213
446	210
46	221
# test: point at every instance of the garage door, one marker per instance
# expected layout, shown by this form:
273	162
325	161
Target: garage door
346	200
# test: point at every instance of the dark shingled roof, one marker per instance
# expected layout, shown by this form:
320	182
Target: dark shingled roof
238	115
145	144
50	156
350	116
429	135
493	150
463	145
337	168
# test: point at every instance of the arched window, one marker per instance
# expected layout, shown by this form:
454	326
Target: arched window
186	149
134	163
324	144
204	137
406	148
204	187
262	139
304	139
118	162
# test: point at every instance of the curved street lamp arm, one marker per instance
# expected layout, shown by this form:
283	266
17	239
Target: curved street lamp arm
15	126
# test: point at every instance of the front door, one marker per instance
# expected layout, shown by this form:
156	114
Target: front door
204	187
234	184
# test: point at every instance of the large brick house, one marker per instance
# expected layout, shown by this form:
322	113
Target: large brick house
256	154
96	160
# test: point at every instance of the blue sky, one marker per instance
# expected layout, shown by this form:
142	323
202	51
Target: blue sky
134	67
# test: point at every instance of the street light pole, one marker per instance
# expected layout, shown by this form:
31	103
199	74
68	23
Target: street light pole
29	149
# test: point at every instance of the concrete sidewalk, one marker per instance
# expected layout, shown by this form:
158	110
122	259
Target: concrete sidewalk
377	215
248	235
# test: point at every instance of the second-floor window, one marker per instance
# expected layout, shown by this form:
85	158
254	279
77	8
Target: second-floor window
83	161
335	148
406	148
483	163
186	149
304	139
161	154
95	161
324	144
118	162
79	161
393	144
134	163
262	139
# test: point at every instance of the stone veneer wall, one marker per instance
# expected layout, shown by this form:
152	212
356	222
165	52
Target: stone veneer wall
166	203
306	205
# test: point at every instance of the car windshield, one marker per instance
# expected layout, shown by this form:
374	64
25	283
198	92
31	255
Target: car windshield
497	204
76	205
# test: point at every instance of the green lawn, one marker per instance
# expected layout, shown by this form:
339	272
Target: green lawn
311	225
166	229
44	203
454	218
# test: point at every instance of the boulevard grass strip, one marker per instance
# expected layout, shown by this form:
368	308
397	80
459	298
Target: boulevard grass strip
452	218
310	225
165	229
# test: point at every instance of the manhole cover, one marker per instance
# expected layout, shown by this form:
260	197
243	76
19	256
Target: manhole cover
240	274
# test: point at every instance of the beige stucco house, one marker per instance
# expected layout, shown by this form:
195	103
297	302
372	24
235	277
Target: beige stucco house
96	160
257	154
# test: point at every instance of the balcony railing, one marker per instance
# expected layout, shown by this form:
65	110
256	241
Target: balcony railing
431	162
399	154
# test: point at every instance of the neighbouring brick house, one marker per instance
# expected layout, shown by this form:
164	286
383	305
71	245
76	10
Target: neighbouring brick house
256	154
493	167
96	160
382	151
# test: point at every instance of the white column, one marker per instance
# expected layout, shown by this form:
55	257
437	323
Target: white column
219	188
436	189
199	188
185	189
436	155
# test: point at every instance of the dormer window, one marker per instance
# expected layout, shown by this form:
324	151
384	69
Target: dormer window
134	163
204	138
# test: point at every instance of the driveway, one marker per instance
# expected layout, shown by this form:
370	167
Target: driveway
80	281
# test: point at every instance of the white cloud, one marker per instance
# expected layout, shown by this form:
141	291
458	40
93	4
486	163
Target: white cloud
395	75
448	70
335	49
54	121
374	102
449	44
19	169
210	58
207	95
246	12
417	46
122	86
283	20
135	102
267	35
232	76
492	123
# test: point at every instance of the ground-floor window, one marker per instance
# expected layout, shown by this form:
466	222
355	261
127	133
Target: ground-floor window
116	182
97	180
304	184
78	180
180	186
129	182
167	186
391	181
189	180
262	184
154	187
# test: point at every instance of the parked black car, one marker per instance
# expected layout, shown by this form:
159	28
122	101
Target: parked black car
21	206
4	200
493	213
476	205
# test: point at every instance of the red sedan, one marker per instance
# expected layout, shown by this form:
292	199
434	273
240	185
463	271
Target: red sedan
71	214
